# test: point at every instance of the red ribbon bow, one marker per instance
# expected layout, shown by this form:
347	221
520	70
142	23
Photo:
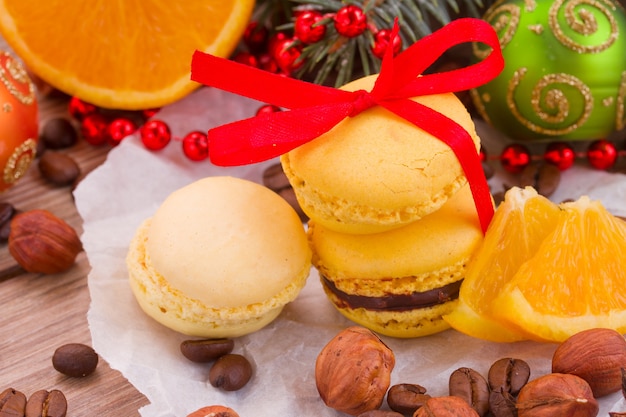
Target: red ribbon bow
315	109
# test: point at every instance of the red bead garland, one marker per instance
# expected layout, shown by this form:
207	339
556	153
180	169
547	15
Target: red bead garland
601	154
196	146
155	135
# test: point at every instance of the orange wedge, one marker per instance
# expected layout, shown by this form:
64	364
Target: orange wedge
131	55
575	280
519	225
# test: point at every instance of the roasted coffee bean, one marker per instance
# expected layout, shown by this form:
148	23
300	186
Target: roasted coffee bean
58	133
206	350
274	178
380	413
5	231
59	168
502	404
46	404
508	374
472	387
406	398
12	403
543	177
75	360
230	372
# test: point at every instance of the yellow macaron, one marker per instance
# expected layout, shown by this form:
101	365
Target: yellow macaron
220	257
377	171
400	282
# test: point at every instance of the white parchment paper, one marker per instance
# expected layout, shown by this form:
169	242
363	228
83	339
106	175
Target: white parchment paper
116	197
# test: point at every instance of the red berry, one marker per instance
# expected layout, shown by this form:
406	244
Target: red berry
255	37
305	27
155	135
246	58
93	128
286	54
602	154
119	128
560	154
515	158
267	109
381	40
196	146
350	21
79	109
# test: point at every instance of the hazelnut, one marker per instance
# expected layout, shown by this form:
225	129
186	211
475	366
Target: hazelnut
595	355
353	371
447	406
43	243
557	395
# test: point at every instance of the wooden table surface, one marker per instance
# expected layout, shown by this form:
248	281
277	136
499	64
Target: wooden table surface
43	312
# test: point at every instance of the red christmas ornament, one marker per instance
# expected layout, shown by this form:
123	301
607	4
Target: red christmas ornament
155	135
79	109
94	129
350	21
267	108
286	53
382	39
560	154
515	158
119	128
196	146
305	27
601	154
255	37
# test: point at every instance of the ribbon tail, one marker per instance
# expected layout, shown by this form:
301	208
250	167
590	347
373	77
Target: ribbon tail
267	136
457	138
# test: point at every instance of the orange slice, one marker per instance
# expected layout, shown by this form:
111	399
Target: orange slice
575	280
519	224
121	54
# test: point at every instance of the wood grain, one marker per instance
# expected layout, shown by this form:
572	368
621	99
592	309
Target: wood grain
43	312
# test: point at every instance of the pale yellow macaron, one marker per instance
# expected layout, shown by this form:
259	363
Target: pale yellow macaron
400	282
377	171
220	257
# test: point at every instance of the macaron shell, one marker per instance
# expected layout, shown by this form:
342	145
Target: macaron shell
188	315
228	242
428	253
377	171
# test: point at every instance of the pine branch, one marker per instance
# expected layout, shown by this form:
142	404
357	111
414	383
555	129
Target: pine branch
337	59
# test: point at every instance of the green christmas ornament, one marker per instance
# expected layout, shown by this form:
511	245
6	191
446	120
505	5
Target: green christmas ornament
565	70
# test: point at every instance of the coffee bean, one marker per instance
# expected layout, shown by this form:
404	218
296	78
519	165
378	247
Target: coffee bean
206	350
6	212
75	360
58	168
502	404
230	372
12	403
406	398
508	374
543	177
46	404
472	387
58	133
380	413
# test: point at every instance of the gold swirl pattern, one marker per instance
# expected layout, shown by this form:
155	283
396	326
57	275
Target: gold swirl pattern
620	119
504	19
12	75
19	161
554	99
583	21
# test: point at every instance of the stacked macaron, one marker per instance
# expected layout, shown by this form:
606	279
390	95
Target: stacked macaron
393	221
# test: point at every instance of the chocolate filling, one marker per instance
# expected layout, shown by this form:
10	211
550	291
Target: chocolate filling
396	302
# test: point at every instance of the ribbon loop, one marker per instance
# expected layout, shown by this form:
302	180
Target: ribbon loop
363	101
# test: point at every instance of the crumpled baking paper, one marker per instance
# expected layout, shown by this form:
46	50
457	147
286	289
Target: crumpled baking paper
117	196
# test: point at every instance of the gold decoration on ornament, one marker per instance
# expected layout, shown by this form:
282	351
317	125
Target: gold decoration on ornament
7	108
479	102
583	21
620	120
537	29
19	161
11	75
505	20
545	95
